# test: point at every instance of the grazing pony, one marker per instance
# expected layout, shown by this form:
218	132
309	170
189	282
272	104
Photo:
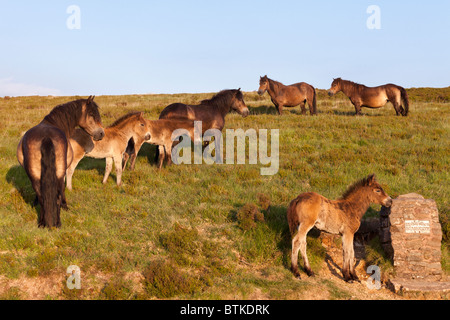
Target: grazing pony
211	112
289	96
372	97
112	147
45	153
341	216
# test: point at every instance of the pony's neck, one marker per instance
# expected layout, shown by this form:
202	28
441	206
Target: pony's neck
224	108
124	129
348	87
274	87
357	203
63	119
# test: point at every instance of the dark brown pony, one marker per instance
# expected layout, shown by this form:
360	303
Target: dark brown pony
211	112
372	97
341	216
289	96
45	153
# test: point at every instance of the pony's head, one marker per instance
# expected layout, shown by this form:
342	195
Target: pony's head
142	127
90	119
263	85
376	193
335	87
238	103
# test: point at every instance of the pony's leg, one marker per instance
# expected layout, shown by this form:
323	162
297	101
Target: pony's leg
117	164
36	184
62	195
162	154
299	244
294	255
125	159
303	107
312	105
280	110
303	232
398	108
108	168
70	171
352	260
358	110
169	154
133	156
349	253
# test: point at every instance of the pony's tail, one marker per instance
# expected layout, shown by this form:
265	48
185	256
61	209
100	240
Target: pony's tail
405	101
314	101
292	217
50	206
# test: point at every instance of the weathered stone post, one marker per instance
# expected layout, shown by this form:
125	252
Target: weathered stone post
411	236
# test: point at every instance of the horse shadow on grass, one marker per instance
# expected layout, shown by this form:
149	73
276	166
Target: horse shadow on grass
17	176
263	110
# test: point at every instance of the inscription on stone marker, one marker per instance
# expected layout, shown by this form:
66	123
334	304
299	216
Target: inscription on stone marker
417	226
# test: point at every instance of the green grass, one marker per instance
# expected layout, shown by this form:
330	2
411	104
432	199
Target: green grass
177	233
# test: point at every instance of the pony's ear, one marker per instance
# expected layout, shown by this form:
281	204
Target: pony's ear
371	178
239	89
90	99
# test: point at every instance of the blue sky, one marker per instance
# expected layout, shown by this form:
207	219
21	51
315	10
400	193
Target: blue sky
136	47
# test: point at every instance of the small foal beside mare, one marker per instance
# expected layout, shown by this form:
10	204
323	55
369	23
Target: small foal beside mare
341	216
211	112
161	132
112	147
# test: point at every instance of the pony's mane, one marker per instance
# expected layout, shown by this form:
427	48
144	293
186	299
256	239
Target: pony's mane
223	97
356	186
124	118
67	115
350	84
273	83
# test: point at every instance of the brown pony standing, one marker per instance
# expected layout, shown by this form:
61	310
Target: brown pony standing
211	112
45	153
341	216
289	96
372	97
112	146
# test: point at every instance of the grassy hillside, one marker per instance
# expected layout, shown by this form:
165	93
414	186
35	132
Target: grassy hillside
182	232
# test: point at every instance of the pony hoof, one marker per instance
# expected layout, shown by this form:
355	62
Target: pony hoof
348	280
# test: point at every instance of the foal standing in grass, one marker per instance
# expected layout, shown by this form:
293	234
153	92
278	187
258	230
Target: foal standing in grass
341	216
112	147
